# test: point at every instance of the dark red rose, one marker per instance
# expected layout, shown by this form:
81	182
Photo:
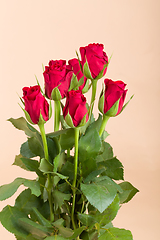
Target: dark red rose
96	59
114	91
76	107
55	76
75	67
35	103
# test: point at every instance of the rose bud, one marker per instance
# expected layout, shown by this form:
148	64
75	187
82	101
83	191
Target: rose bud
56	82
81	82
75	111
94	61
37	109
112	98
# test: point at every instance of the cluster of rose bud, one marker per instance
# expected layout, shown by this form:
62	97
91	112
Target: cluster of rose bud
72	80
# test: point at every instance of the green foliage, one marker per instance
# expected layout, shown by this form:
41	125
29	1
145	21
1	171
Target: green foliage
105	190
29	237
56	237
22	124
53	148
128	192
37	230
97	195
26	201
63	231
25	150
106	152
7	190
27	164
45	166
9	216
42	220
116	234
35	147
89	147
114	168
97	124
100	218
67	139
59	198
68	170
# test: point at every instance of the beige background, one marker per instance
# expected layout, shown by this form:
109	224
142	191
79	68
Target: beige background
35	31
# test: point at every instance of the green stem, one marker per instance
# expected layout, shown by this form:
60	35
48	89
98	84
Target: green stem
94	87
56	115
68	152
49	188
75	176
104	122
44	140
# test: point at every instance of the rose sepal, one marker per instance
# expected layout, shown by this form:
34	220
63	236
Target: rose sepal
75	84
27	116
39	85
21	99
55	94
86	87
101	74
81	81
83	121
113	110
41	119
50	110
86	70
101	102
126	104
68	120
79	61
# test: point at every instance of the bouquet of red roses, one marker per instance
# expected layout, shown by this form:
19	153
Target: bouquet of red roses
76	194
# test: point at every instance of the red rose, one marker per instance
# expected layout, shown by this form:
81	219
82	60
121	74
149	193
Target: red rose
75	67
35	103
55	76
94	60
111	101
76	107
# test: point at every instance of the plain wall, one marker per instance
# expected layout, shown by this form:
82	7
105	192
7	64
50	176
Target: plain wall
35	31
